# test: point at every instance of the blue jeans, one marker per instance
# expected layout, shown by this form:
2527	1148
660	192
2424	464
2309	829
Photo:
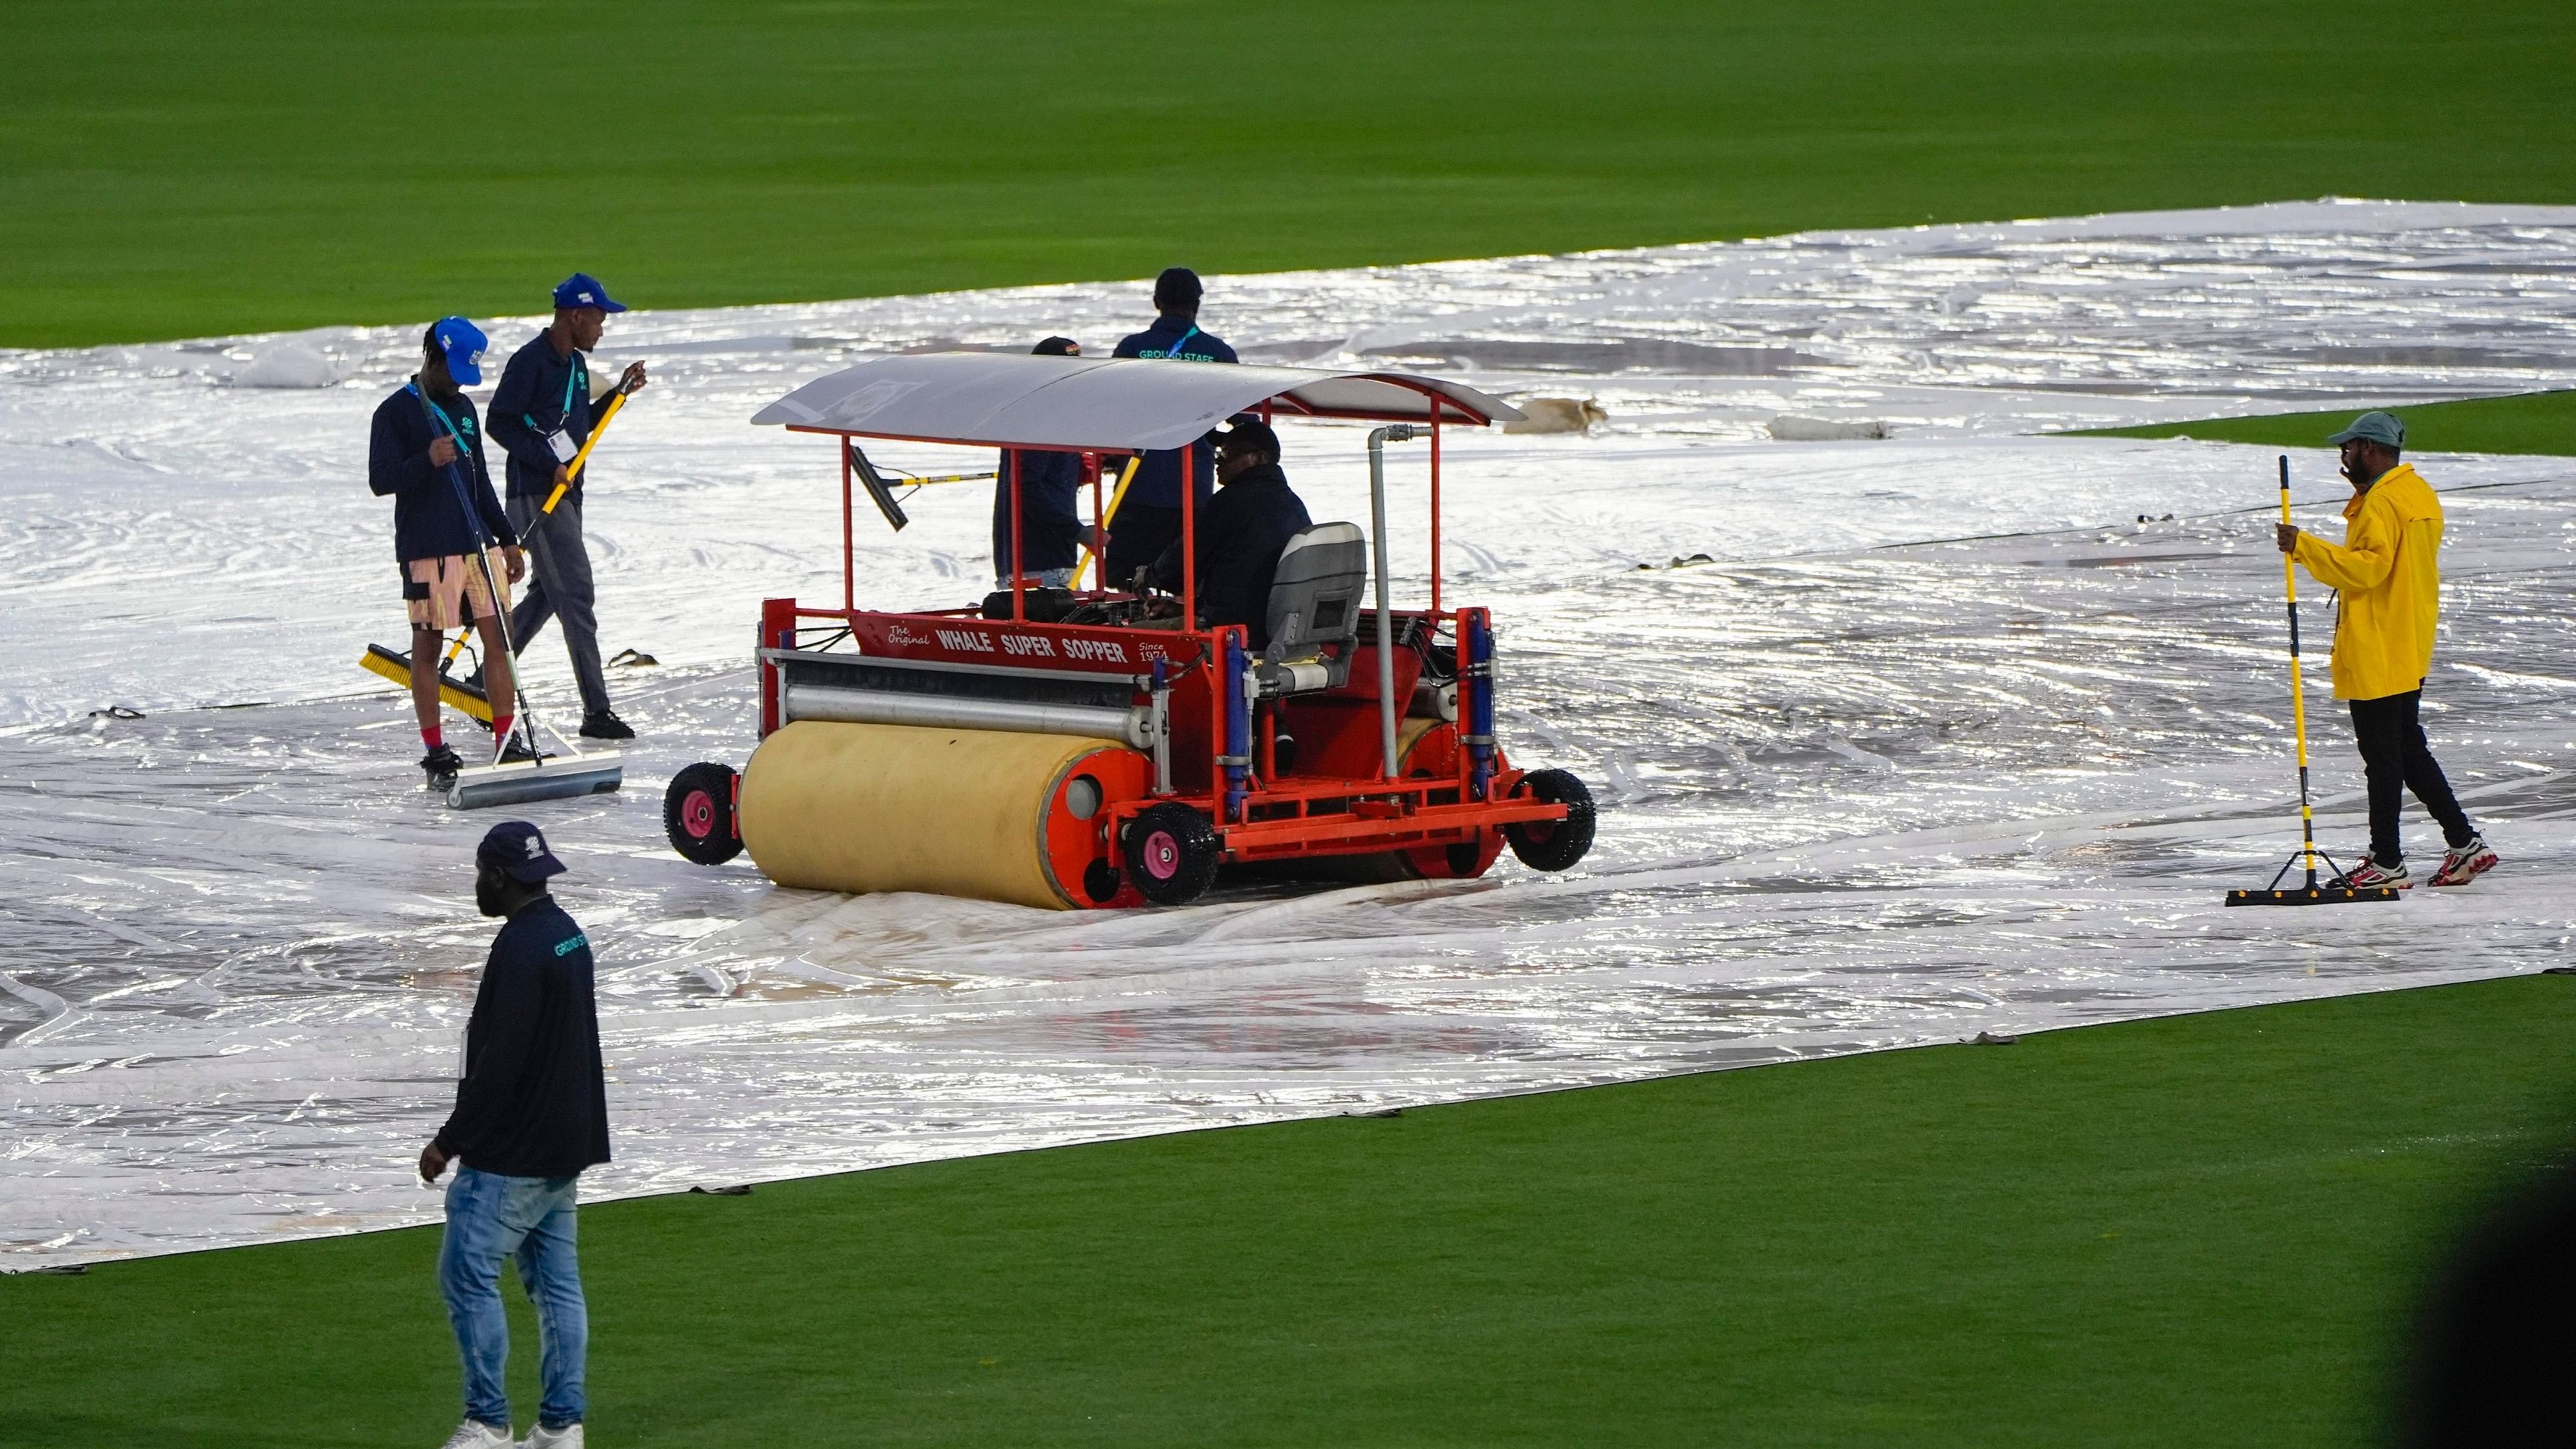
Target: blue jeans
489	1218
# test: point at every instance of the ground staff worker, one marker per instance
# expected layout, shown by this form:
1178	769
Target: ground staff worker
424	449
1149	521
531	1113
2388	586
542	414
1050	482
1240	534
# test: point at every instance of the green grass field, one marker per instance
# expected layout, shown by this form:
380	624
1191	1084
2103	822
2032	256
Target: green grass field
173	169
2534	422
2199	1230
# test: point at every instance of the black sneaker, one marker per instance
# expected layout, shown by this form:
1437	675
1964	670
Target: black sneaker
605	725
441	765
515	749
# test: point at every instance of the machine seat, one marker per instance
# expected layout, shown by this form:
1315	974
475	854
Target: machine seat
1315	608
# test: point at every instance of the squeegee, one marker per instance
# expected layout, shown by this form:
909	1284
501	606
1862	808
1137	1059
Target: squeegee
2311	894
540	776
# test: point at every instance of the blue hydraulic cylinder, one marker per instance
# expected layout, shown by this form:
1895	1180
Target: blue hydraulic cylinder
1236	686
1479	672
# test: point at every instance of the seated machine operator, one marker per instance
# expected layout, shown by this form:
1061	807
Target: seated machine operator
1241	533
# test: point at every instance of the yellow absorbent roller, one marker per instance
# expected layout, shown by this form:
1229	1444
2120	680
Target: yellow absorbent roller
958	812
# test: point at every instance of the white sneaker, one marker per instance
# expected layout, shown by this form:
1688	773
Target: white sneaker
2465	863
2371	875
541	1437
475	1434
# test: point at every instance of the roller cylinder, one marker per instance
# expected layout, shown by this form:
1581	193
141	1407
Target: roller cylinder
992	814
846	705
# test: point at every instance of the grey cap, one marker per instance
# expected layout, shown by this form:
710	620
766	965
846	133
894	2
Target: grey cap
2375	427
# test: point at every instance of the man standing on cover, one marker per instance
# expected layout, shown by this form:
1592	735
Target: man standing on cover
426	450
1149	521
542	414
531	1113
1050	521
2388	585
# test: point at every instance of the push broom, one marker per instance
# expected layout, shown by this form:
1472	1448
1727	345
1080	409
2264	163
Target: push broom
539	777
2311	894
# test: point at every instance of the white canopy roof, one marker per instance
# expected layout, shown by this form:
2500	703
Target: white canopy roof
1097	402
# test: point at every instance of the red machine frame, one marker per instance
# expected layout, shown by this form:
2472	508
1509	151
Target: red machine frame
1442	811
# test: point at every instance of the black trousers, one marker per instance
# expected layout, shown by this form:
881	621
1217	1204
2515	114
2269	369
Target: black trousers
1138	536
2394	760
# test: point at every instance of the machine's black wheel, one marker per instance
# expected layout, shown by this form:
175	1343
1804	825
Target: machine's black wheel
1553	844
1172	854
697	813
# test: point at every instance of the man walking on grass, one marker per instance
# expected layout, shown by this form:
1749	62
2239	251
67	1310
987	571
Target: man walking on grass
2388	587
531	1113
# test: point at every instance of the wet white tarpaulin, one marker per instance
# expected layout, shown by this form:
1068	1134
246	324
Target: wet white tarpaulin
1952	731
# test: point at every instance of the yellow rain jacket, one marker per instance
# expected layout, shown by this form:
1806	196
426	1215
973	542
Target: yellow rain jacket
2388	585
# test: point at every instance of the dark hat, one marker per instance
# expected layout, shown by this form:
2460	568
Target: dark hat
1248	435
2376	427
1177	288
1056	347
518	850
581	289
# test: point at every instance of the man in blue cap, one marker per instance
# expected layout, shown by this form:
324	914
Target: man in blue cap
531	1114
426	450
1149	519
2388	602
1049	522
542	414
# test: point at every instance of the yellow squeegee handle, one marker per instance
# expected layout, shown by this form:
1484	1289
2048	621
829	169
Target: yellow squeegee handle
1116	497
2298	691
573	469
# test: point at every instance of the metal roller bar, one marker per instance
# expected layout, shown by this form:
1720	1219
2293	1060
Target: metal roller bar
1130	727
935	666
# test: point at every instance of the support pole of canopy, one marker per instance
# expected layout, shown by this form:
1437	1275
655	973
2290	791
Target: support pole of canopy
849	554
1377	440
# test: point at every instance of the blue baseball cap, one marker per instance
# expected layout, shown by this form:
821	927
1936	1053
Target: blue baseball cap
462	344
518	850
581	289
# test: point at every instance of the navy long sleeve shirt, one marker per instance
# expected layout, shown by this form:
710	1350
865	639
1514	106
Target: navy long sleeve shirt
534	1098
1240	535
428	521
1050	516
1158	478
538	393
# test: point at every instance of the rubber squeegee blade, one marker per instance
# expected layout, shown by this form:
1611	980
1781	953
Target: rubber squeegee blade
519	781
2312	896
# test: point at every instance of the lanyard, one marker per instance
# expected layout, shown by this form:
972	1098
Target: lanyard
1174	351
462	435
574	374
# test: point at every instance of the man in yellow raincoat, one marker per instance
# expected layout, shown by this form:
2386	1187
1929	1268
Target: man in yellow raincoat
2388	584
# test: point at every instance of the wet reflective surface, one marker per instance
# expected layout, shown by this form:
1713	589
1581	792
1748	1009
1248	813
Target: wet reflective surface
1863	788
